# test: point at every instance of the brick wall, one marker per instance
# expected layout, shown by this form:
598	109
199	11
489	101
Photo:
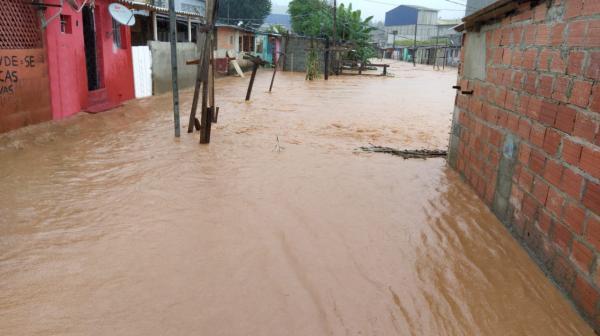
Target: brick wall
527	139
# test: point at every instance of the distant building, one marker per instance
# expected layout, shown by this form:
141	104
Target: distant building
475	5
402	20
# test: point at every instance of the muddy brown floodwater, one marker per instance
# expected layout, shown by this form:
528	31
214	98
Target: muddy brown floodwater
109	226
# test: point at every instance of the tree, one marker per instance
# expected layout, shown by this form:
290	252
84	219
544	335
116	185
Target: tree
310	17
251	12
315	18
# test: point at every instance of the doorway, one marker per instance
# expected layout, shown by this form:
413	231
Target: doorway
89	40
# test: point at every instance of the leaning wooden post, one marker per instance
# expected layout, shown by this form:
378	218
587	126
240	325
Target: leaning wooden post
274	73
207	113
201	45
249	92
173	40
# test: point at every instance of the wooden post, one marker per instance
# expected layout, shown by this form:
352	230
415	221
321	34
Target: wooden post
207	113
173	41
201	44
257	61
415	46
326	57
275	71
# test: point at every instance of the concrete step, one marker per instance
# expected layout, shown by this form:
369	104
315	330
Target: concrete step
97	96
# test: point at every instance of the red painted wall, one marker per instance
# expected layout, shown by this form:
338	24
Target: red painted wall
67	66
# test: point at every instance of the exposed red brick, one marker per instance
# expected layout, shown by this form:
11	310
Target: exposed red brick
530	59
529	34
590	7
529	85
593	69
585	296
537	161
533	108
543	34
591	197
595	104
511	100
571	152
540	190
590	161
593	34
553	172
556	34
551	141
537	135
548	112
565	119
524	128
592	234
573	8
545	86
563	272
554	202
582	256
573	217
524	152
562	237
544	221
539	13
580	94
525	180
585	127
576	36
529	207
561	88
575	62
571	183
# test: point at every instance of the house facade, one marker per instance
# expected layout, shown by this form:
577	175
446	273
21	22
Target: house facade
24	84
526	133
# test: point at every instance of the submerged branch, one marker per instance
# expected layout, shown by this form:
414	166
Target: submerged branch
406	153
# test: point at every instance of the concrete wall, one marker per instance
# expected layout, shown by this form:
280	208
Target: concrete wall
296	53
161	65
528	140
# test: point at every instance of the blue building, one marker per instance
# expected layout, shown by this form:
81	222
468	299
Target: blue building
402	21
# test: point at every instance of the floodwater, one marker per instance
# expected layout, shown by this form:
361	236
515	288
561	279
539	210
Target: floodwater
109	226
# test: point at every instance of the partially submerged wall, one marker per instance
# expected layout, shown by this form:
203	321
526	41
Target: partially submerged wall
527	139
161	65
297	51
24	87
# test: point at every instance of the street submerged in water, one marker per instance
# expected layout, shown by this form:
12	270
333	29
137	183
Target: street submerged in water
109	226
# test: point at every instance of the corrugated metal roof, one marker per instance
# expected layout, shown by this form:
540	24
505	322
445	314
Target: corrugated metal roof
143	5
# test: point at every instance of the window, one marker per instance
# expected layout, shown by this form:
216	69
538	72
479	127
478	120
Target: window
116	32
65	24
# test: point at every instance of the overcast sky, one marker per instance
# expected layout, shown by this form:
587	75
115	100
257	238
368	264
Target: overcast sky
377	8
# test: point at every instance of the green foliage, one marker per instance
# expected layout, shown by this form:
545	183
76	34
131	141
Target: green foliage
310	17
315	18
253	12
312	65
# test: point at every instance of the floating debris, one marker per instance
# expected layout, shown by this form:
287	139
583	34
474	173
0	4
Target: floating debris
406	153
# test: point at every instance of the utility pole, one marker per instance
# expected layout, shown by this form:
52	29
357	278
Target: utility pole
415	46
334	36
173	40
394	33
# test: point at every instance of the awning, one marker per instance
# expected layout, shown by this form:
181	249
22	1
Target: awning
142	5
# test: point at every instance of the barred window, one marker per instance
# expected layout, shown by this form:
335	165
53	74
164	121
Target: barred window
19	26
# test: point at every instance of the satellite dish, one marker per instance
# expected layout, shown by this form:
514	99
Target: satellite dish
121	14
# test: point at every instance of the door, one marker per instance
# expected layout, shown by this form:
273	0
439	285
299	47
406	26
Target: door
142	71
89	40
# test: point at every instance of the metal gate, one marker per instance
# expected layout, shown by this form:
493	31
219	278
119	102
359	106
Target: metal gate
142	71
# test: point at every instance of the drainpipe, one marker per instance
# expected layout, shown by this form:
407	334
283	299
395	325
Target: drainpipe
154	27
189	28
